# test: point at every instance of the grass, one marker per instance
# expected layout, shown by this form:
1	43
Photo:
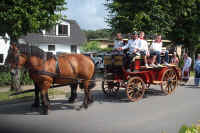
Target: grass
192	73
4	96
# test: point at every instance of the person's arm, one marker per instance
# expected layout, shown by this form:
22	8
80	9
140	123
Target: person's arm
152	46
189	62
115	44
195	65
146	48
125	46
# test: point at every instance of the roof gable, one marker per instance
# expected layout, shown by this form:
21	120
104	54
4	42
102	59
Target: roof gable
77	37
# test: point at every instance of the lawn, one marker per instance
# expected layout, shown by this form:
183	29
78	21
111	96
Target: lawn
5	96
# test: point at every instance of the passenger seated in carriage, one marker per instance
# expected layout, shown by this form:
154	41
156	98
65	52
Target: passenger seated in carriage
118	42
131	46
156	50
142	48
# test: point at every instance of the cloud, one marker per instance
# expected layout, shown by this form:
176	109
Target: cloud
90	14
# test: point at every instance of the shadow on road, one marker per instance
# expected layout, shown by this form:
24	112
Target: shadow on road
24	108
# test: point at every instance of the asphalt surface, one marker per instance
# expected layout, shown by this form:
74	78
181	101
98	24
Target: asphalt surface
155	113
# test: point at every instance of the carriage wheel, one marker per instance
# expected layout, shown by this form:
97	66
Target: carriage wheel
169	81
135	89
110	88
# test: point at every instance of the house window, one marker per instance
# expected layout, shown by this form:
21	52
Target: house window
51	47
1	58
63	30
73	49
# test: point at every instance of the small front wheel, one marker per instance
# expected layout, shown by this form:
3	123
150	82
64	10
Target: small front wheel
135	89
110	88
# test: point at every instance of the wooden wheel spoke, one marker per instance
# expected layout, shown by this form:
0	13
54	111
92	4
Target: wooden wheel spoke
110	88
137	94
169	81
136	88
130	90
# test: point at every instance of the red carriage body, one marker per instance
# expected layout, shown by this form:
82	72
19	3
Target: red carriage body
139	79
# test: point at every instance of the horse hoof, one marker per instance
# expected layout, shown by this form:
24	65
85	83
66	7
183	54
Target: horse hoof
91	101
71	100
44	112
35	105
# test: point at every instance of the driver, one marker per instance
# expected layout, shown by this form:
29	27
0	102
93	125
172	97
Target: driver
131	46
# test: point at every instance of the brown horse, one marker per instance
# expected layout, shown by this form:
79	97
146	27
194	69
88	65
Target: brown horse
67	68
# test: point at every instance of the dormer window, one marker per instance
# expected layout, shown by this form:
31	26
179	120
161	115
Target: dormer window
63	30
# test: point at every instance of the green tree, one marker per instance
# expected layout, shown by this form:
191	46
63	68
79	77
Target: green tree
178	20
186	30
148	15
92	46
19	17
94	34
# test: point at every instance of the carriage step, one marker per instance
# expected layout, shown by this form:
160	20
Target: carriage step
157	82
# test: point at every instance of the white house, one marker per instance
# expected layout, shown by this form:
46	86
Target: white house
66	37
4	46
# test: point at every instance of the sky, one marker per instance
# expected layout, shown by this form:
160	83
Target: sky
90	14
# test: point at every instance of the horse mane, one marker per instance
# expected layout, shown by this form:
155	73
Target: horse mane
31	50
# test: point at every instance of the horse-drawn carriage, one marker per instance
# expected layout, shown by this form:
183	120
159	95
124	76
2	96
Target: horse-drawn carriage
138	79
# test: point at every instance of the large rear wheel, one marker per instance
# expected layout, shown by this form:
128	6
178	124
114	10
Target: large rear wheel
169	81
135	89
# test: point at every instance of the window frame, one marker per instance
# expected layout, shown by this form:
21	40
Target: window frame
51	45
63	35
73	48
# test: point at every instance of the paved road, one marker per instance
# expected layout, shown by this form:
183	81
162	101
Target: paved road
153	114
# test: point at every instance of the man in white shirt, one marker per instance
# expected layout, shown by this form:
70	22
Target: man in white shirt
142	48
131	45
118	41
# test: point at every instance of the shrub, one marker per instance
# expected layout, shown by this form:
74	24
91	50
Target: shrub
5	79
192	129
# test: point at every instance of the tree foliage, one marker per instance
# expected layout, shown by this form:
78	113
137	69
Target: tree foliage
130	15
178	20
92	46
94	34
19	17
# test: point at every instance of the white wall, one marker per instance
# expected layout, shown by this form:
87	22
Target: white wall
4	47
58	48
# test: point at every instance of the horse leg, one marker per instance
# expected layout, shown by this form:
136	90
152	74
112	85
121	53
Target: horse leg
73	96
87	98
47	97
44	90
36	103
